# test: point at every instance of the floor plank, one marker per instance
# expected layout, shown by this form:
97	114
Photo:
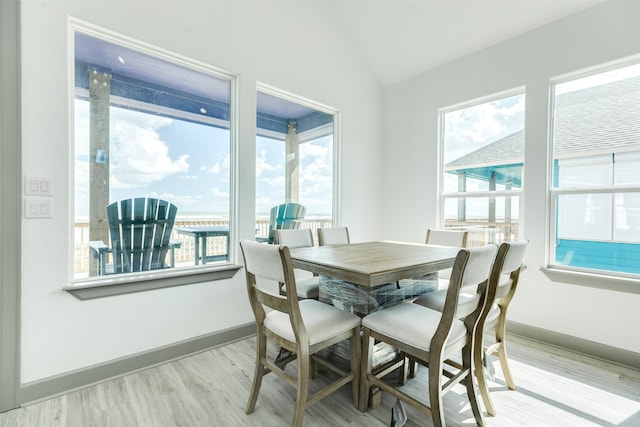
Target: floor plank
554	388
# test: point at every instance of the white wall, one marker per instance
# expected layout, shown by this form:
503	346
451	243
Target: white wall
604	33
296	47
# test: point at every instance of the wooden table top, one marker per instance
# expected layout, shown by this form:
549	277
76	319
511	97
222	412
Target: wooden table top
372	264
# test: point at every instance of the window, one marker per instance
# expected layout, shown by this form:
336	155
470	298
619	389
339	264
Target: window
294	159
149	125
595	192
482	146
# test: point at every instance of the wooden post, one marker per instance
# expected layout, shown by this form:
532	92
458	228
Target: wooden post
292	164
462	203
492	200
99	93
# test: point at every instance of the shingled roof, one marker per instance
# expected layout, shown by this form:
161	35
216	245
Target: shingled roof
604	118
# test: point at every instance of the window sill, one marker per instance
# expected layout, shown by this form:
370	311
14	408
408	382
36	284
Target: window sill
600	281
114	285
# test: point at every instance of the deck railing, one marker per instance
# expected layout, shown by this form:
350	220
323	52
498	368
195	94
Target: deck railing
185	254
481	232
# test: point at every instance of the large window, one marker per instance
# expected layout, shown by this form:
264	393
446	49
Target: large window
294	160
482	148
148	126
595	192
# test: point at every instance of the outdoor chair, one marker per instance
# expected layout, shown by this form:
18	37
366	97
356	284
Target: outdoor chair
284	216
303	327
140	235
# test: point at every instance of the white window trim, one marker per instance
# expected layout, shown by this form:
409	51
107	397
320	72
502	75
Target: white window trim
442	195
600	279
136	282
337	140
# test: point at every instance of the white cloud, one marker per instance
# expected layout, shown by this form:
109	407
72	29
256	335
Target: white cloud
263	165
473	127
138	156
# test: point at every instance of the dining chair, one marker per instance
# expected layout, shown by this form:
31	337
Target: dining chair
431	337
307	286
453	238
333	236
303	327
504	280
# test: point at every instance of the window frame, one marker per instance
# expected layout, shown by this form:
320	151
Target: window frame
442	195
336	164
96	287
599	279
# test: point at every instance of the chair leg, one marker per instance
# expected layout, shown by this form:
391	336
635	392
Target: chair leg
355	365
365	369
504	363
435	390
303	386
467	364
261	352
502	351
478	367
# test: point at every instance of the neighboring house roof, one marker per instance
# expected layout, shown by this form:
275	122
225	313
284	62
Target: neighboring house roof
507	150
601	119
604	118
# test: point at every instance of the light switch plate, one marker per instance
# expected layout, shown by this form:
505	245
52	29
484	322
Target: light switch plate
38	207
38	186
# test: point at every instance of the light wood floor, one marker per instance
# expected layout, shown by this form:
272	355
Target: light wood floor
555	388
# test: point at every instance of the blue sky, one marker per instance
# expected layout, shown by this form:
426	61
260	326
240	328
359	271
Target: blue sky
188	164
470	128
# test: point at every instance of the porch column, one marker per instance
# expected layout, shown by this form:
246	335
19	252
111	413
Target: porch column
507	210
492	200
99	93
462	203
292	164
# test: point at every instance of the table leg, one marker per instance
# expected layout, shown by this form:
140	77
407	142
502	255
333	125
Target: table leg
204	249
197	249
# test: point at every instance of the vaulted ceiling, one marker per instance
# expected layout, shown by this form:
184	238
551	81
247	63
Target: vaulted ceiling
397	39
400	39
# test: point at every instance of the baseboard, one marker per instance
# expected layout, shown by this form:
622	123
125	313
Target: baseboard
64	383
67	382
600	351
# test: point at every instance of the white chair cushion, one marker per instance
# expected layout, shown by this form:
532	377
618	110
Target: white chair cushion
322	321
412	324
435	300
308	287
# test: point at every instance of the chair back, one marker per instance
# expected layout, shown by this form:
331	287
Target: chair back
140	230
471	270
285	216
504	279
333	236
272	263
295	238
454	238
511	268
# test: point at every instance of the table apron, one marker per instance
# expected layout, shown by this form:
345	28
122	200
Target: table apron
373	279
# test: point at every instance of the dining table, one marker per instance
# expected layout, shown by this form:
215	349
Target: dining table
369	276
364	277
